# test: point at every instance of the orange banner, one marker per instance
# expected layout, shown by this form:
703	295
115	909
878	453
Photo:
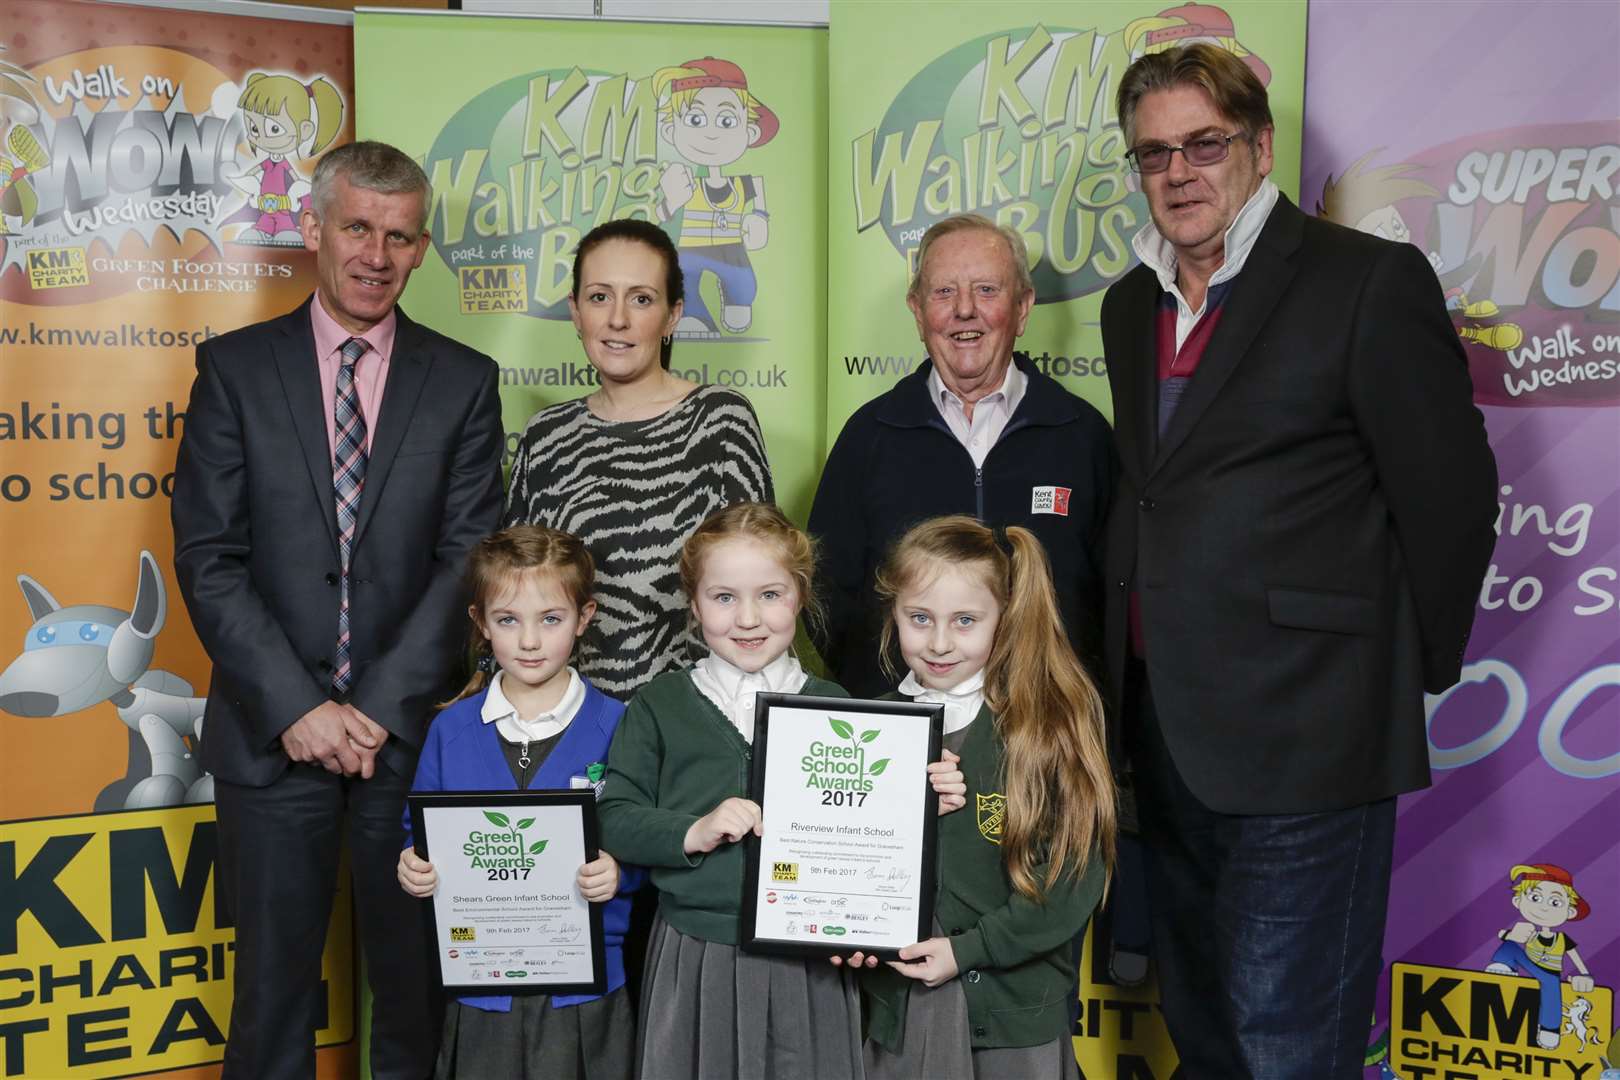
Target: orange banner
152	167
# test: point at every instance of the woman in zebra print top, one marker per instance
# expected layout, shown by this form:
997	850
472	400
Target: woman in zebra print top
632	468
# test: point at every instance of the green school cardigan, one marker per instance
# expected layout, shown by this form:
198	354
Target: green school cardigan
674	758
1013	954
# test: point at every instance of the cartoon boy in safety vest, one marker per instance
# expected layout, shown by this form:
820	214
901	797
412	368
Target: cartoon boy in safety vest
1545	895
706	112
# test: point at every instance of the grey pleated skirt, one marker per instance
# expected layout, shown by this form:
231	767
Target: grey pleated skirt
593	1041
937	1046
713	1012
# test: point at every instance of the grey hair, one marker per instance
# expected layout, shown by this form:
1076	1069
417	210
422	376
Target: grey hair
962	223
1233	87
375	166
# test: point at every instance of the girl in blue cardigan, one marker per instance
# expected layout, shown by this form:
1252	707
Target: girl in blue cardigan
527	720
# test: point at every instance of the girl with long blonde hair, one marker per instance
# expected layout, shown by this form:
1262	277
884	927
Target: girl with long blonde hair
1023	867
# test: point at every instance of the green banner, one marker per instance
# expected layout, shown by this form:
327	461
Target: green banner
1007	110
535	131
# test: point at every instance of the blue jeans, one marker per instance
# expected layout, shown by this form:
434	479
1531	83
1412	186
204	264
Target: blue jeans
729	263
1513	955
1267	929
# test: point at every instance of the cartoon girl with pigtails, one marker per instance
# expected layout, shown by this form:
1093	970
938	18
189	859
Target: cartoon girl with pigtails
281	115
706	112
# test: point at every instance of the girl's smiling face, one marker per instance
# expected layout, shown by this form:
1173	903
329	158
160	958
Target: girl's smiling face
746	604
946	627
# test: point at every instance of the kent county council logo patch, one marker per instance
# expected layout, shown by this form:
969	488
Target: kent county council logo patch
1050	500
992	812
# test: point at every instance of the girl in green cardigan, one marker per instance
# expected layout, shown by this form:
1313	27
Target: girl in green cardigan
675	800
1022	869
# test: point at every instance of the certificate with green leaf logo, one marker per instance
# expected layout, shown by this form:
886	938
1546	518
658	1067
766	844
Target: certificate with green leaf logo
507	915
846	861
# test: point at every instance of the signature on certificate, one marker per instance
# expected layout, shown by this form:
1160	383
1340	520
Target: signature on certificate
895	875
564	933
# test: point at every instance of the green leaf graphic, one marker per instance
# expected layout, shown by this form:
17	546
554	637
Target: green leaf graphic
868	736
877	767
537	847
844	730
499	819
524	823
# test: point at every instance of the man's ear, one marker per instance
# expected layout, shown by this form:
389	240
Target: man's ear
1262	151
309	226
916	313
1025	304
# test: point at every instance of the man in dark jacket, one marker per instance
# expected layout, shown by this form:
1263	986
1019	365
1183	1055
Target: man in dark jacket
972	431
1304	517
339	463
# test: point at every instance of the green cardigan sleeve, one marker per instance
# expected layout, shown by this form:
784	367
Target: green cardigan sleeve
1022	929
634	828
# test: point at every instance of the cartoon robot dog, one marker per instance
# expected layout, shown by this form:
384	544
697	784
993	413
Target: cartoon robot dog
79	656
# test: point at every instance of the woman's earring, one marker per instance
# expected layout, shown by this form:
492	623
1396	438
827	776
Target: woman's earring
668	338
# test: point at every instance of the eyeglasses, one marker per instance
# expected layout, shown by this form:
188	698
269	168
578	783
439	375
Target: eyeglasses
1204	150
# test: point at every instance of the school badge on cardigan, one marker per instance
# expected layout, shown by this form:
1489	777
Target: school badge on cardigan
992	812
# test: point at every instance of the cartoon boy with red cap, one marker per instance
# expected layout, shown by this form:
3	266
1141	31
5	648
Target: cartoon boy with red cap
706	112
1545	895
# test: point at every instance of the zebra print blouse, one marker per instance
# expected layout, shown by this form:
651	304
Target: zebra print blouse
634	492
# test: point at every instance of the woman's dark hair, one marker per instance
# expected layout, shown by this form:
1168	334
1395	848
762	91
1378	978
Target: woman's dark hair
642	232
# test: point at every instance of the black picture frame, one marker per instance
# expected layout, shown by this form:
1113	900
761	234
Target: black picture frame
420	803
933	716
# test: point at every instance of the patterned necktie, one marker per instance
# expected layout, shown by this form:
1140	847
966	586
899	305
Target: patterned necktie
348	474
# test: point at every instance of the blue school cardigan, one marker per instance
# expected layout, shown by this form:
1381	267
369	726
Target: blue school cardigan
462	753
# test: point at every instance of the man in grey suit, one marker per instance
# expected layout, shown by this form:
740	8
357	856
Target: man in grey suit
338	464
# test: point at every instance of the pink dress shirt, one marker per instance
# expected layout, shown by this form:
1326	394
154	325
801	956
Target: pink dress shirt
370	371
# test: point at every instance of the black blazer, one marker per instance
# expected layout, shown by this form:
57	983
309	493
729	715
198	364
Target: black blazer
1309	537
255	536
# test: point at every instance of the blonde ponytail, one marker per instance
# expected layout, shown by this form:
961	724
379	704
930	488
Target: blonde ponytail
1056	775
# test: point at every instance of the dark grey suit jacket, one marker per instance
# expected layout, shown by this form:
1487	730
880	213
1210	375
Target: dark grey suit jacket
255	536
1309	536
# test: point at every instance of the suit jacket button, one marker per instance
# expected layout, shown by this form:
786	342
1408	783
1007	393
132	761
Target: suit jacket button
331	579
1122	584
978	1033
972	976
956	931
1145	503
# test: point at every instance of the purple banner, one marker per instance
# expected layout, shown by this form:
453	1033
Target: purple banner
1486	135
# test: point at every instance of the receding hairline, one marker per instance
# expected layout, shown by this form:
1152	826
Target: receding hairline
961	224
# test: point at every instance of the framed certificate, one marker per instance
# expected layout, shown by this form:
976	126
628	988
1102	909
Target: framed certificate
846	861
507	916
